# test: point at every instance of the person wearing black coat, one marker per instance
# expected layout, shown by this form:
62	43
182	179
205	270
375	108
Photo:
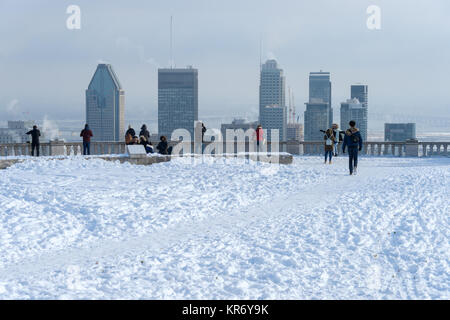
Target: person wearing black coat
35	134
130	131
353	141
144	132
163	146
203	131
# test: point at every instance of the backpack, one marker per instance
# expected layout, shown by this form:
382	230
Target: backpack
329	141
355	138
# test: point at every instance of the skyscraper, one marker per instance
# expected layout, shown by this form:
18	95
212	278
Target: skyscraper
317	117
177	100
271	86
319	113
105	105
274	117
272	95
352	109
361	92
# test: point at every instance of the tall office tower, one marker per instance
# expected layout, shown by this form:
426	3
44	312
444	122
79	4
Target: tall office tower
274	117
177	100
320	90
399	131
360	92
271	86
317	117
272	108
354	110
318	113
105	105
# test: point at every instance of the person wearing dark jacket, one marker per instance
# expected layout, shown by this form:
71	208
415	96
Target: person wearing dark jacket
203	131
144	132
338	137
329	144
86	133
163	146
147	144
353	141
129	135
35	134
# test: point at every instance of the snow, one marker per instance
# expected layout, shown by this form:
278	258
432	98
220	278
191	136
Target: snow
225	229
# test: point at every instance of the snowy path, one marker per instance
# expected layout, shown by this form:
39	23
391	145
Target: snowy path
315	237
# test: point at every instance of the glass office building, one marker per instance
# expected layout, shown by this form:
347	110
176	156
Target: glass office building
177	100
105	105
352	109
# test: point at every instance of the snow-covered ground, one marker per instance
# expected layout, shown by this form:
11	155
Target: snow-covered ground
234	229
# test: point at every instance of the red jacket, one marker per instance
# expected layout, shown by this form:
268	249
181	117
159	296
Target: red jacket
259	134
86	134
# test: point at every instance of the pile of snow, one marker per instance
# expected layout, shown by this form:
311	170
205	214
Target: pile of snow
225	228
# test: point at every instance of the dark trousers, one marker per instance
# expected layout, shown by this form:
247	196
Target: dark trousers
86	148
352	158
328	153
35	146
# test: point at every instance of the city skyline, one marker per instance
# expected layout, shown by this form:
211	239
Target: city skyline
221	52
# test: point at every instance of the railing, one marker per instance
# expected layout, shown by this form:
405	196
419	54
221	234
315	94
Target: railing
400	149
62	148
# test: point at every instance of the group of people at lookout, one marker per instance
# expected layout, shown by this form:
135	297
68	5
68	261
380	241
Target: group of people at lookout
130	139
351	139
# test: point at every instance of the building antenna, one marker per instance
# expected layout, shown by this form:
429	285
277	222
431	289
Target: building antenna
293	107
260	52
171	43
290	105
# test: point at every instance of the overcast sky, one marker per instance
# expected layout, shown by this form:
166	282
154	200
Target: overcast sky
45	68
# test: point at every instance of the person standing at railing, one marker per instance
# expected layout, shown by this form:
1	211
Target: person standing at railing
86	133
353	141
35	134
144	132
259	137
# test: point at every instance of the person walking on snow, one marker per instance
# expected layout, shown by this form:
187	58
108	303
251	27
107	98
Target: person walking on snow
35	134
353	141
329	145
86	133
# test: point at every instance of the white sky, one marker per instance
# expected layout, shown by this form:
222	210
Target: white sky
45	68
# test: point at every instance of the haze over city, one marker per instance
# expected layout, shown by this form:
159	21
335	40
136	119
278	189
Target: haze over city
45	68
